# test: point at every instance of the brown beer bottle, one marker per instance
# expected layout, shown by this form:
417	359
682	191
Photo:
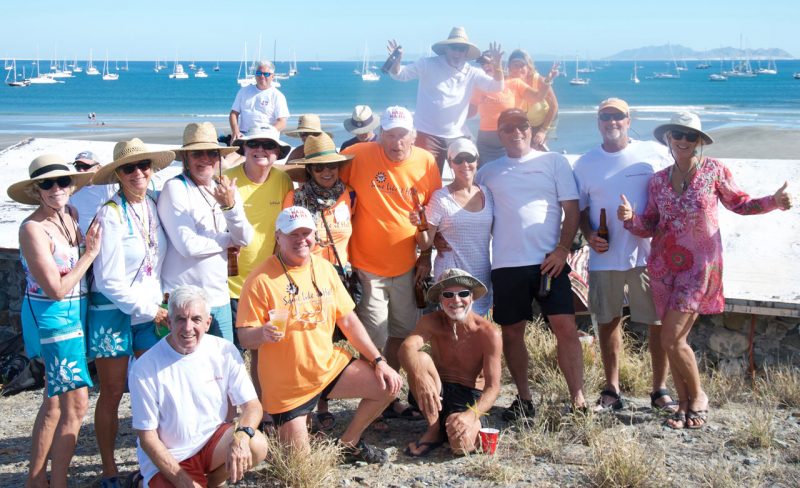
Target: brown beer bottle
602	230
233	261
423	220
545	282
419	295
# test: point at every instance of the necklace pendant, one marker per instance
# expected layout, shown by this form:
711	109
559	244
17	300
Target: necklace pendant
148	269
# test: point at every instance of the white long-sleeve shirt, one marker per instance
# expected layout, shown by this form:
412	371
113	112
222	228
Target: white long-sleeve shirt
122	272
444	93
200	234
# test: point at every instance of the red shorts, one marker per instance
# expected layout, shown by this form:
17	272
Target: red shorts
198	465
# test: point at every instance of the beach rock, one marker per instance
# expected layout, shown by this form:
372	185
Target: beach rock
732	366
728	343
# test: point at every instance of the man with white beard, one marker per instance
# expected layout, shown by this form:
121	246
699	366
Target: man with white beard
458	382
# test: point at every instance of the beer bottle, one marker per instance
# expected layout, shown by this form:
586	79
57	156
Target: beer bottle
545	282
387	66
233	261
419	294
161	329
423	220
602	230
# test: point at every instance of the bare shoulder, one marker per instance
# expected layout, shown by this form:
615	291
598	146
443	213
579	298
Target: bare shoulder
487	329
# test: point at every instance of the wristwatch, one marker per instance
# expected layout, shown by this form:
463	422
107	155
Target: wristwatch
376	361
247	430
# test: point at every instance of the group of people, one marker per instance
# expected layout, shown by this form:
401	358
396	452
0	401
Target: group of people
265	257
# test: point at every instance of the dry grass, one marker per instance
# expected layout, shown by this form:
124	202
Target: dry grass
635	368
300	468
781	383
621	460
756	429
723	389
494	468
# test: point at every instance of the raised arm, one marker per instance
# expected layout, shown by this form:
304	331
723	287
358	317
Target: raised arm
736	200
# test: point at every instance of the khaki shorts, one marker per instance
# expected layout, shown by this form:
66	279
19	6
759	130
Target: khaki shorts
387	307
607	290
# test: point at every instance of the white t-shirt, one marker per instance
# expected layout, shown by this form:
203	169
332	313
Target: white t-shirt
602	177
88	200
527	212
185	397
468	234
444	93
258	108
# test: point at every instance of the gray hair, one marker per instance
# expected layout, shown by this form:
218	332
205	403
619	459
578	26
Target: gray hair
413	132
266	63
185	295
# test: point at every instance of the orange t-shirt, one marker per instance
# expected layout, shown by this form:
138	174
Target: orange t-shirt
299	366
383	238
491	105
339	219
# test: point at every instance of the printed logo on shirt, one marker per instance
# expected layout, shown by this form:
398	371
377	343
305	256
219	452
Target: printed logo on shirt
263	103
381	184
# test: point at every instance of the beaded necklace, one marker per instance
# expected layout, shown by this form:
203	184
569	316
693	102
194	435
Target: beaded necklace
146	225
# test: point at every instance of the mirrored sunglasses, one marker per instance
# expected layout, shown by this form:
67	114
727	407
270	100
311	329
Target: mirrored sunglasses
141	166
265	74
677	135
61	181
452	294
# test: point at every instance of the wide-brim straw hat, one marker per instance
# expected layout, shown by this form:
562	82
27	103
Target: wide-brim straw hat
266	132
682	121
458	35
456	277
362	120
126	152
44	167
306	123
201	136
318	150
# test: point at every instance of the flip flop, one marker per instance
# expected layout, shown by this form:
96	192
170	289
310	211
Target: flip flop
676	417
700	416
409	413
616	404
325	421
426	447
667	408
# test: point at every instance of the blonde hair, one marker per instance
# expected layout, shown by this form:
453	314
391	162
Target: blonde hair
524	56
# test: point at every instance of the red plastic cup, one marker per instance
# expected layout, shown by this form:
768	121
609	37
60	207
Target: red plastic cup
489	440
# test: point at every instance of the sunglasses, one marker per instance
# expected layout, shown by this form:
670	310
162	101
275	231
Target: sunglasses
459	47
452	294
61	181
464	158
510	128
605	117
677	135
268	144
265	74
141	166
319	168
80	166
209	153
303	135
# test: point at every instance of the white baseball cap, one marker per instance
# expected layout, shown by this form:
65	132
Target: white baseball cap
293	218
461	145
397	116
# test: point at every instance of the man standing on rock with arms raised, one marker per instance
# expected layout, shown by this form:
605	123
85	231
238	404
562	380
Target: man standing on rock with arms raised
459	380
620	166
529	244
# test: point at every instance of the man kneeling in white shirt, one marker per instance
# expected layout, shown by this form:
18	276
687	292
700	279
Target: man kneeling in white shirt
180	390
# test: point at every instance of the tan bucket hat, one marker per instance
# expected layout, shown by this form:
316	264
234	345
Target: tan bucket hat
458	35
682	121
130	152
456	277
44	167
306	123
200	136
318	150
362	120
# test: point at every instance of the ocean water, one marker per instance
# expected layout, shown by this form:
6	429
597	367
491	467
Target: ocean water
141	95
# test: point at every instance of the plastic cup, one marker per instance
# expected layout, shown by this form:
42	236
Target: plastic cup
278	318
489	439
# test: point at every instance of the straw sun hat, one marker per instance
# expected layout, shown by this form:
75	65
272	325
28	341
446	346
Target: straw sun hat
46	166
132	151
456	277
457	36
682	121
318	150
306	123
201	136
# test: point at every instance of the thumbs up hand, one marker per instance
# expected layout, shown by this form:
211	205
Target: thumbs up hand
782	197
624	211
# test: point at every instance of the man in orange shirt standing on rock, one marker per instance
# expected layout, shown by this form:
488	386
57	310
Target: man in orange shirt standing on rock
382	247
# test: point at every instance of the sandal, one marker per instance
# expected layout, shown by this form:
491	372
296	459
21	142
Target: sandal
426	447
617	404
325	421
408	413
679	419
667	408
698	417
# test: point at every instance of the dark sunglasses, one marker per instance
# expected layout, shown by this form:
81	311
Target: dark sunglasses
459	47
319	168
268	144
303	135
265	74
465	158
62	181
510	128
452	294
141	166
210	153
677	135
605	117
80	166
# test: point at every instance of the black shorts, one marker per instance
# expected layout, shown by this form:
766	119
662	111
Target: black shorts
456	398
515	289
309	406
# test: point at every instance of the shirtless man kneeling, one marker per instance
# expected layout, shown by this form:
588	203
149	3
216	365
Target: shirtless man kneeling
460	379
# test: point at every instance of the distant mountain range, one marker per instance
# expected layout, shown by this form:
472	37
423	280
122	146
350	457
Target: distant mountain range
668	51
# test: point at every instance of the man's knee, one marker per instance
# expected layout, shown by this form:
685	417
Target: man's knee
564	327
513	333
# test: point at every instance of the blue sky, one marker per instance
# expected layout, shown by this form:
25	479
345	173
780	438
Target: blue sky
329	30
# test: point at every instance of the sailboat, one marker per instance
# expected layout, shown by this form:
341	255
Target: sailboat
293	65
771	69
216	68
635	75
316	66
200	73
249	77
75	67
14	81
577	80
125	68
366	74
8	66
667	75
157	67
106	75
177	72
41	79
90	69
718	76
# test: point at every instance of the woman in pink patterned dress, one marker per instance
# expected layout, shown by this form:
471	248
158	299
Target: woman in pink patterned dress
685	263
